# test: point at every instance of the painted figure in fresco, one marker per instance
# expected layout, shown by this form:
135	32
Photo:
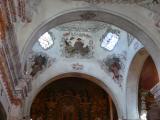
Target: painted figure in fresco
39	62
115	67
79	47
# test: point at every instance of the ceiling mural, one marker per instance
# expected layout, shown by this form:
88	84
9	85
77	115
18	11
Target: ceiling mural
77	44
74	40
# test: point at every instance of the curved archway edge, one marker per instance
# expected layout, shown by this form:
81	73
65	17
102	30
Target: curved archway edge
121	21
84	76
132	83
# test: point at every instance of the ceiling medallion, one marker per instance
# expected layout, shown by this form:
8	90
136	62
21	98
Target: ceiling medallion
88	15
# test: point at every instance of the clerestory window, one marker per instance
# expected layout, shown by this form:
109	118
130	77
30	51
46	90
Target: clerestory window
109	41
45	41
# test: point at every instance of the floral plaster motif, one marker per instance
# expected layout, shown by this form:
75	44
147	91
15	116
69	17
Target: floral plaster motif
77	66
77	44
36	63
113	64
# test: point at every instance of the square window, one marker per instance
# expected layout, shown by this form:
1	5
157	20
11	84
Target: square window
109	41
45	41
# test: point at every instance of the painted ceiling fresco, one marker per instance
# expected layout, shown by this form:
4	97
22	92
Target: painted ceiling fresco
73	99
83	40
77	44
114	64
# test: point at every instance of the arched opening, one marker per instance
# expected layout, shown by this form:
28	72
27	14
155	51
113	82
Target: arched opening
133	77
73	98
3	115
76	52
101	15
142	77
148	79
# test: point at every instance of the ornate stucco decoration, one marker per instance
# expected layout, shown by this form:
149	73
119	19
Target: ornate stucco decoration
114	64
83	26
152	5
37	63
77	66
77	44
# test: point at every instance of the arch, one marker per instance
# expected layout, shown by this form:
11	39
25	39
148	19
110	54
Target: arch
123	22
79	75
102	15
132	84
3	114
